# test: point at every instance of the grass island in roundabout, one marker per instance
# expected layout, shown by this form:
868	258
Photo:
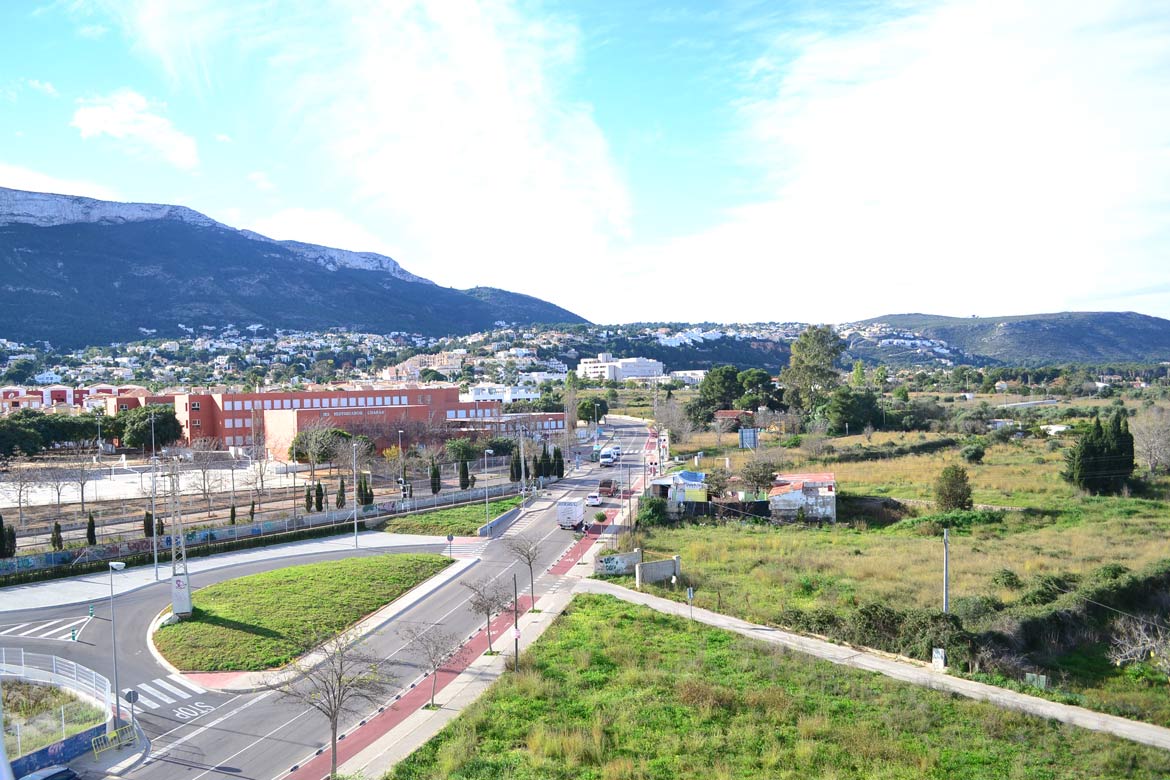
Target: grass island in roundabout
263	621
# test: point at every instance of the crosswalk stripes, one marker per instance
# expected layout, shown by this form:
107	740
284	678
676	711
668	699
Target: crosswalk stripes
150	694
518	528
468	549
60	628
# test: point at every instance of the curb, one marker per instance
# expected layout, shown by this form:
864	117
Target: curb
365	626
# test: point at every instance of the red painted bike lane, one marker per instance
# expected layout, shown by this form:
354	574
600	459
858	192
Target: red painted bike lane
413	700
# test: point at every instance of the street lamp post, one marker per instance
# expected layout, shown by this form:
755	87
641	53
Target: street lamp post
115	566
353	492
485	488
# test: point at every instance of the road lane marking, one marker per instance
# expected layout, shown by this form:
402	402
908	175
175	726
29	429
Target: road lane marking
186	683
166	686
156	694
39	626
185	725
168	748
65	628
14	628
253	744
143	700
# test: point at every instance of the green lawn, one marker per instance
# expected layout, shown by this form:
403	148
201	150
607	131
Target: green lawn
266	620
458	520
614	690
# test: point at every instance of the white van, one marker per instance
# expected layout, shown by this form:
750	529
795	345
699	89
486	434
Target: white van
606	458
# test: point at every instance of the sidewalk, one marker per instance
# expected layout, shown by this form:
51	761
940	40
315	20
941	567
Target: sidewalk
1135	731
53	593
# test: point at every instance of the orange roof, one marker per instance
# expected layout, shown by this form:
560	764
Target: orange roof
791	483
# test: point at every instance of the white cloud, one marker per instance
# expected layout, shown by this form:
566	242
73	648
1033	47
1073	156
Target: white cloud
92	31
326	227
223	138
444	123
261	181
45	87
18	178
991	157
127	115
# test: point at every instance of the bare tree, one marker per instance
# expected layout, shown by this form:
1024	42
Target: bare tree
672	417
527	550
867	432
1151	437
81	468
487	598
434	648
205	456
723	425
336	677
17	482
57	479
1137	640
316	443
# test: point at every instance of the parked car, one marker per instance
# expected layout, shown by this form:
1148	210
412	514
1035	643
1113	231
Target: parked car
57	772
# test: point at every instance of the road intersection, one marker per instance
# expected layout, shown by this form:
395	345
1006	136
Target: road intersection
200	730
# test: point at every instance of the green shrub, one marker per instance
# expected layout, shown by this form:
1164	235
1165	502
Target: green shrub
1006	578
1046	588
973	453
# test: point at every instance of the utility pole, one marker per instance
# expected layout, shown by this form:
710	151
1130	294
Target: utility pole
946	572
516	621
153	491
353	494
180	583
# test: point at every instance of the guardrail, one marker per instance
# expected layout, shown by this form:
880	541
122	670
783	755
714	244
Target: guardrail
15	662
126	735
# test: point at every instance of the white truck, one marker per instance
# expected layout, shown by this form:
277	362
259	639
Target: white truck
570	512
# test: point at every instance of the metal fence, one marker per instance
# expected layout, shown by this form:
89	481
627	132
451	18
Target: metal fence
25	736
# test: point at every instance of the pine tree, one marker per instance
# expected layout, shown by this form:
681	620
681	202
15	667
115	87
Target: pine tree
308	499
436	478
232	515
340	502
952	490
464	476
319	498
55	539
148	524
91	531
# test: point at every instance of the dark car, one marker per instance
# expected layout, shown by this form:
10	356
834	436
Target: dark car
53	773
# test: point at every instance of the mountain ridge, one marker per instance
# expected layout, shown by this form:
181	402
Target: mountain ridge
66	260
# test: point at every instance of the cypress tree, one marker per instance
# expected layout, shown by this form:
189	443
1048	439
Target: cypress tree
55	539
535	466
159	527
319	497
148	525
436	478
340	502
252	511
558	463
514	467
464	476
546	465
3	539
308	499
1125	449
90	531
232	515
10	541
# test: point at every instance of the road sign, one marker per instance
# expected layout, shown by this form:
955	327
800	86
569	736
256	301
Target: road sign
690	594
515	632
130	695
450	538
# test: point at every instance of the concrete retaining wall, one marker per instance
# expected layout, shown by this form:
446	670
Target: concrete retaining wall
500	524
59	752
657	571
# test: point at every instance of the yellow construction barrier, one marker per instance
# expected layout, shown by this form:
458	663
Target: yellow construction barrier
125	735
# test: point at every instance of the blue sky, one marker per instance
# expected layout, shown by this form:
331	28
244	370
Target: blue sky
737	161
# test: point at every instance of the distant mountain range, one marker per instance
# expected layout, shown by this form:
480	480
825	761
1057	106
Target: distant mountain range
1034	339
78	271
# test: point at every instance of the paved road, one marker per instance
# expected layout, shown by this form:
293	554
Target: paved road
199	733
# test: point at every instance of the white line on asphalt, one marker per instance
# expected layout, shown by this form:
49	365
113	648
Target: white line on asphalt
65	627
201	729
39	627
143	700
156	694
186	683
10	630
166	686
250	745
188	723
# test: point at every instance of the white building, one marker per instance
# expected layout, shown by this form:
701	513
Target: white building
606	368
490	391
